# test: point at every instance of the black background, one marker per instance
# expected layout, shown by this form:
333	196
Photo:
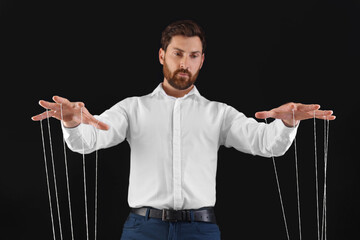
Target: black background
260	55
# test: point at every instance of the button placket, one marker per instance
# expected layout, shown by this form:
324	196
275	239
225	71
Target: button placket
177	155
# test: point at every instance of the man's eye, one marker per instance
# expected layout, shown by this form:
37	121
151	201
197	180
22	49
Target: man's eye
177	54
194	56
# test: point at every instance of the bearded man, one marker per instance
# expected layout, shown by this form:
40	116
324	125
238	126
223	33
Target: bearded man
174	134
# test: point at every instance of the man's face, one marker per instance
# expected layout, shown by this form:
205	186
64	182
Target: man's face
182	61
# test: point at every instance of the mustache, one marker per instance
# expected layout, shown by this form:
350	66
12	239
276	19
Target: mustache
182	71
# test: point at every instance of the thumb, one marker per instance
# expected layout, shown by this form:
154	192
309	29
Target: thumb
263	114
101	125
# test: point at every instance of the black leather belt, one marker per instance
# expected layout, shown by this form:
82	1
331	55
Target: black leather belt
200	215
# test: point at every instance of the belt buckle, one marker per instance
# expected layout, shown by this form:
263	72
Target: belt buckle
166	218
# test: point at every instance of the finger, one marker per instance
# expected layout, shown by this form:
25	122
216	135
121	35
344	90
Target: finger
43	115
98	124
49	105
320	114
307	107
101	125
331	117
59	99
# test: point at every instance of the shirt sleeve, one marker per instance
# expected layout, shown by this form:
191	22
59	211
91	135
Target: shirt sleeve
88	138
249	136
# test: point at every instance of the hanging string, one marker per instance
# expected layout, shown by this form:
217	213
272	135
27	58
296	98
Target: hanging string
326	144
47	180
325	180
96	180
84	174
297	178
54	176
316	181
279	190
67	177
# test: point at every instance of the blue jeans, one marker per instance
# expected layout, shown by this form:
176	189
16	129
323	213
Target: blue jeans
139	227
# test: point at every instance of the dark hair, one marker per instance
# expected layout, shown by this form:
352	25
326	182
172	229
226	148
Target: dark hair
187	28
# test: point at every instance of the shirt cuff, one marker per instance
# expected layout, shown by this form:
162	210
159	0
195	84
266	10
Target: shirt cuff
71	132
290	132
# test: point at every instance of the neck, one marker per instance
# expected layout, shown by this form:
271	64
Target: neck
171	91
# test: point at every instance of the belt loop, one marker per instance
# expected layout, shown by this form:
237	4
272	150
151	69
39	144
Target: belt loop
147	214
192	217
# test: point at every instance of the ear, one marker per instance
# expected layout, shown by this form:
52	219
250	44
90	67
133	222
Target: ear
161	56
202	60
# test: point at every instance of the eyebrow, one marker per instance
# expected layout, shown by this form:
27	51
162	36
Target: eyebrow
180	50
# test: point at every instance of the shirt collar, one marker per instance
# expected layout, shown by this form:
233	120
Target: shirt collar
159	90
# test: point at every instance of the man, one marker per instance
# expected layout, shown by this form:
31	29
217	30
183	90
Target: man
174	134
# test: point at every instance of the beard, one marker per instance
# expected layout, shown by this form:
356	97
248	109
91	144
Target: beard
179	82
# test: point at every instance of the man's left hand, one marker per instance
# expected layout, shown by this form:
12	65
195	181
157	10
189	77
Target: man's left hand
292	113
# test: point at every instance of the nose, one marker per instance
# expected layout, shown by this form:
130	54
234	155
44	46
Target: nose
184	63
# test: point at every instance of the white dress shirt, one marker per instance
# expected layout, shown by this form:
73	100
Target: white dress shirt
174	144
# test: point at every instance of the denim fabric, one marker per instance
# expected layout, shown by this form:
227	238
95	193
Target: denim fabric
138	227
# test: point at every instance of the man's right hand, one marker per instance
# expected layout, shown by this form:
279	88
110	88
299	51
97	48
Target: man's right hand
69	113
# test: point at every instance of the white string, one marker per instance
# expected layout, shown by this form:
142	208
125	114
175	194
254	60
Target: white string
325	177
47	180
317	181
297	178
96	179
84	174
67	178
279	190
324	192
326	143
54	176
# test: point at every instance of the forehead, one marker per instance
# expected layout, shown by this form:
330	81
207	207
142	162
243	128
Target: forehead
187	44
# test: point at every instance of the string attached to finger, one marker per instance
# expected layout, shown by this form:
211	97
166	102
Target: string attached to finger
322	230
67	177
54	177
297	179
96	180
84	175
47	181
316	181
326	145
279	191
